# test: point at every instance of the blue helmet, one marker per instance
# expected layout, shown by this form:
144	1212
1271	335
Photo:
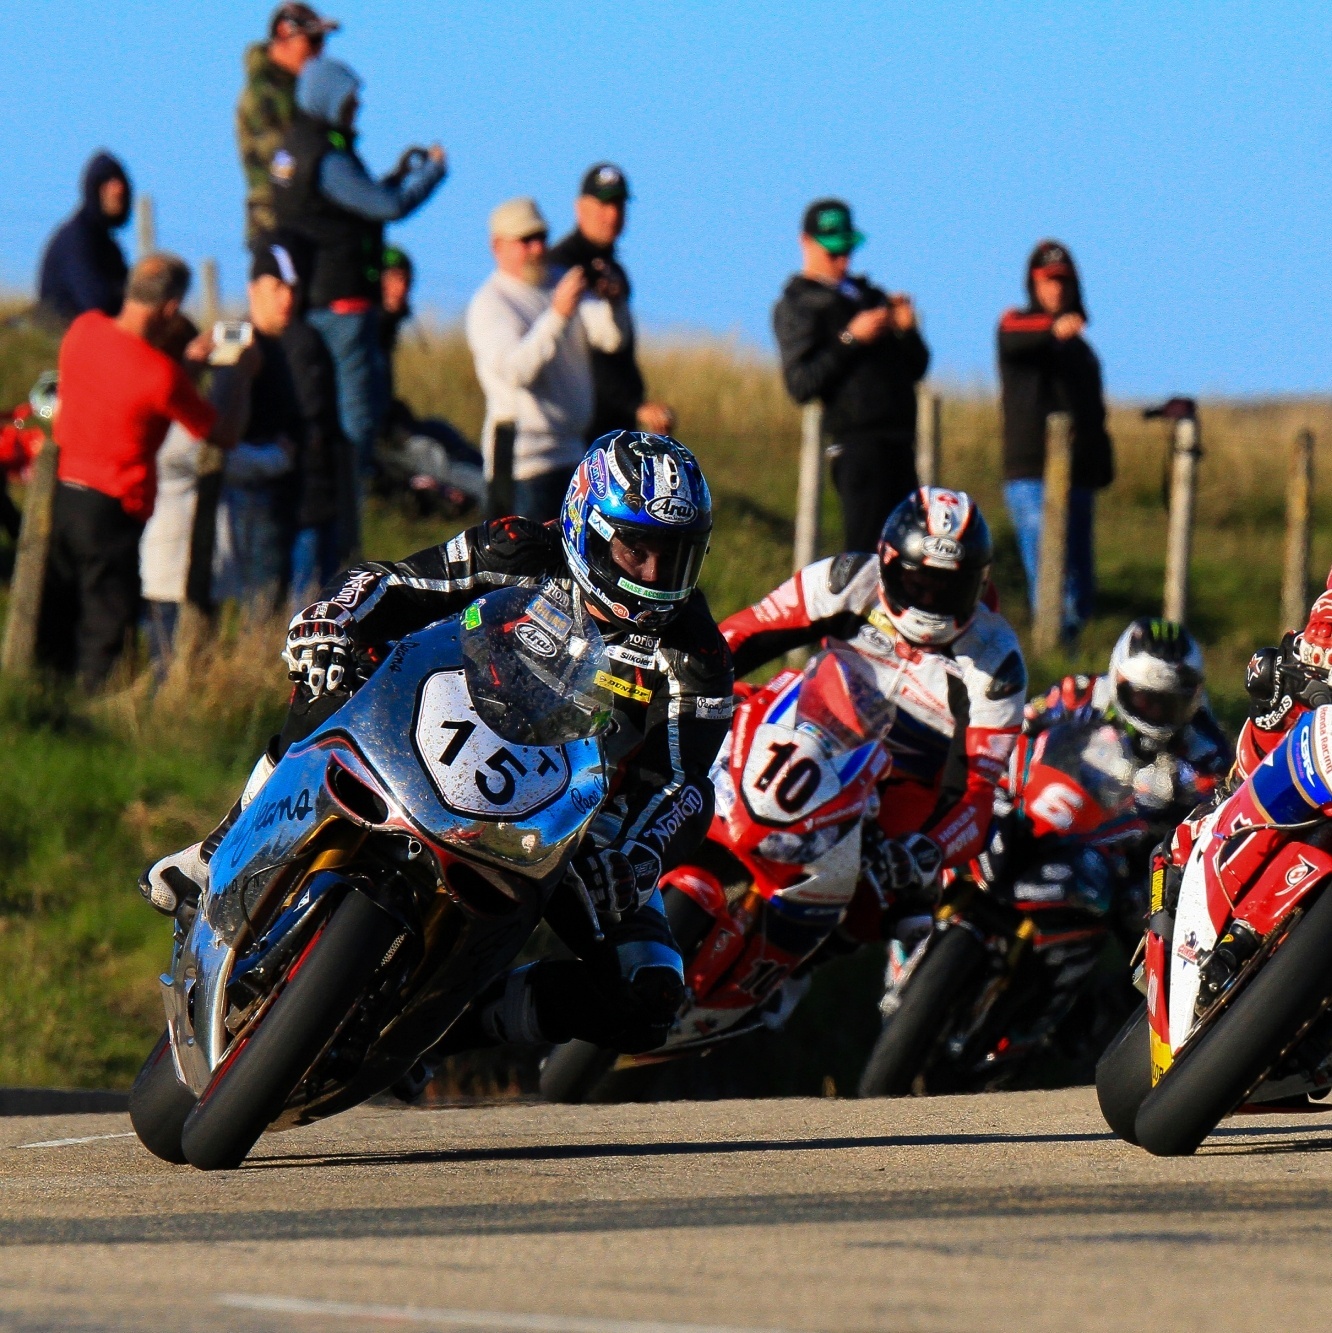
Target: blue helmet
647	493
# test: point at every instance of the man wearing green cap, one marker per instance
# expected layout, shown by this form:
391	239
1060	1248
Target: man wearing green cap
857	349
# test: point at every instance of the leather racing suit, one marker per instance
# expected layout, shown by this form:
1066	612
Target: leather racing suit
673	709
954	712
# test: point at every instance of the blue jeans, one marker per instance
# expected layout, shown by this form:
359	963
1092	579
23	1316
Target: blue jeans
251	560
1025	501
314	561
540	497
353	343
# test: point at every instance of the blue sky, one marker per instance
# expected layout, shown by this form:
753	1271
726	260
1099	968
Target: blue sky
1180	150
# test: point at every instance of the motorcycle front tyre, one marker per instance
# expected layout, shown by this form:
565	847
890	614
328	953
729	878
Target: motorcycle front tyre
572	1071
933	992
1210	1080
1124	1075
247	1093
159	1104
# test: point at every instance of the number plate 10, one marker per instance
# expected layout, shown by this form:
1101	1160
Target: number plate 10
786	776
477	772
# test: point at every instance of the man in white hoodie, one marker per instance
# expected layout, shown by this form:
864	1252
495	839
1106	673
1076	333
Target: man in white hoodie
531	344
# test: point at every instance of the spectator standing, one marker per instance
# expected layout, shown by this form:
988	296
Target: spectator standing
118	394
531	343
1045	365
255	515
268	101
324	195
83	267
858	349
599	216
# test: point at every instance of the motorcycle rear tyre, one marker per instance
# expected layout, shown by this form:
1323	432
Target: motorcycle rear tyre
932	995
159	1104
1124	1075
250	1092
1212	1078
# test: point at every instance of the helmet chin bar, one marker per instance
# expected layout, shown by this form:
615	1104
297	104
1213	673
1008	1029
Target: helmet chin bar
924	629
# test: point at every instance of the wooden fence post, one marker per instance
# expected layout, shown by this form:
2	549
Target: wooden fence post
25	589
1299	503
1054	535
809	491
499	485
1179	532
210	299
146	226
929	436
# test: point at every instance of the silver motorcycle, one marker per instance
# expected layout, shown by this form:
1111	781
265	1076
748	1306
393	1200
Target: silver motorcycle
395	861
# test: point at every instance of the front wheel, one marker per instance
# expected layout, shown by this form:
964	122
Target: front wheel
1124	1075
159	1104
1210	1080
251	1085
932	994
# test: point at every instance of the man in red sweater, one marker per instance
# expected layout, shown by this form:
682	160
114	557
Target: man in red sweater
119	392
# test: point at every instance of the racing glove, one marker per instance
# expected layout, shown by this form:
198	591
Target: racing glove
319	647
903	864
619	880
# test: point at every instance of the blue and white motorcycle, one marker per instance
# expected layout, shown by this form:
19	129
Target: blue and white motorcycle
393	863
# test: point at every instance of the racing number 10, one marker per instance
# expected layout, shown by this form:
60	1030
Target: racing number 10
798	784
504	762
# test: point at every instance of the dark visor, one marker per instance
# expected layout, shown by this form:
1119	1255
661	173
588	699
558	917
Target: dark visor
940	592
1158	707
679	560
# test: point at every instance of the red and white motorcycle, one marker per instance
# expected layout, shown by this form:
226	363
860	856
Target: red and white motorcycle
794	780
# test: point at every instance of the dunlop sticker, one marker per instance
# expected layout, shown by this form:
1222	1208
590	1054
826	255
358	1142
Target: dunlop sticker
640	694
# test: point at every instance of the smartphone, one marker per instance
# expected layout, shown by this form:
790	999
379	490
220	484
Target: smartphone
230	338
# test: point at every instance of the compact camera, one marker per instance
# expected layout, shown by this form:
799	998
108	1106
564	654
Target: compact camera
230	338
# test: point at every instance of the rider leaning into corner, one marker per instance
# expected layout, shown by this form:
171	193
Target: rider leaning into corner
949	670
630	540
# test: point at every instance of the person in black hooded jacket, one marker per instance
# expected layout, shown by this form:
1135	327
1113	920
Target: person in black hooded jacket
83	267
1046	365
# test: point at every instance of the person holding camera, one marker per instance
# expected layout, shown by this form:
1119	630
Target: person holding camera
858	349
119	392
324	196
531	341
599	215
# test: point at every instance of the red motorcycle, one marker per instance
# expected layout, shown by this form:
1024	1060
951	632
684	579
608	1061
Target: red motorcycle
794	781
1235	967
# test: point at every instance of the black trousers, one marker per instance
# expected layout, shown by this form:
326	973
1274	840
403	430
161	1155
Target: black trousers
871	480
90	600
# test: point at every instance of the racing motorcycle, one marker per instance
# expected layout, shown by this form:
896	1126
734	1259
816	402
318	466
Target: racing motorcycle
1234	965
1018	935
393	863
794	781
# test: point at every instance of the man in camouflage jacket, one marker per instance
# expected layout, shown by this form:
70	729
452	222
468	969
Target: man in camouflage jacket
268	101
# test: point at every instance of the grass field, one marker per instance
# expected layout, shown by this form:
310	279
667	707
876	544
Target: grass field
91	790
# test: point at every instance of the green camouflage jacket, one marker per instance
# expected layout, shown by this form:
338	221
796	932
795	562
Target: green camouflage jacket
262	115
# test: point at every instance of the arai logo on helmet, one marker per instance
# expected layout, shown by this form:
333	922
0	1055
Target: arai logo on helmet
534	638
672	509
942	551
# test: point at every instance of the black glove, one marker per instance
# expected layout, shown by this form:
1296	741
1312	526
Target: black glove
319	647
619	879
1274	681
900	865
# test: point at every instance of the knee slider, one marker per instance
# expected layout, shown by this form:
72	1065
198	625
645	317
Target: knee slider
659	992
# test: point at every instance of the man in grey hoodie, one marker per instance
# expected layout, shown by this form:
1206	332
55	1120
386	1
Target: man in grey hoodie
328	204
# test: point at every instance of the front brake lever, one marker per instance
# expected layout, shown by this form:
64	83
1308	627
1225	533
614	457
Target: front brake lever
584	897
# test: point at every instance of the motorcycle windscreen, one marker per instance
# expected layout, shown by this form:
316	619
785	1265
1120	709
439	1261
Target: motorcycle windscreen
536	667
841	696
1080	776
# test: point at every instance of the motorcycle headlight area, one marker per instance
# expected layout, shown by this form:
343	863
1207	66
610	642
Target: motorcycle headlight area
801	848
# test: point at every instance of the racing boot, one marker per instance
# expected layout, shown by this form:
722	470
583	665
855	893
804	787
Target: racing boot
1223	964
174	884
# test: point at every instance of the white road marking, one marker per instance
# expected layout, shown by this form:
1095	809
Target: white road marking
69	1143
518	1323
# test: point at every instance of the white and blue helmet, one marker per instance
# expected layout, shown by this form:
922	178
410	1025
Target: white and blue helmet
639	488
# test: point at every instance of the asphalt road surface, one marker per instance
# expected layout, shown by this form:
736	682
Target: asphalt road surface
1014	1211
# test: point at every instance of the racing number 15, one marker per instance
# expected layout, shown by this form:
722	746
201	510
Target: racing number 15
503	762
798	784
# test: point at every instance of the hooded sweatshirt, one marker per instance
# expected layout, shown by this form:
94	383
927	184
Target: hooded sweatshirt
1040	374
83	267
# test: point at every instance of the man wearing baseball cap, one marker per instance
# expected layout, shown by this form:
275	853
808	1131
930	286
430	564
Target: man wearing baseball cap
1046	365
531	342
858	349
263	115
599	216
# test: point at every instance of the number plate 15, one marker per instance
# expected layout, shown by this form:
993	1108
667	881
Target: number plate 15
786	776
475	771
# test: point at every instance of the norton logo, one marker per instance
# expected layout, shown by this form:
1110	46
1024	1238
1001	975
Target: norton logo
536	640
671	509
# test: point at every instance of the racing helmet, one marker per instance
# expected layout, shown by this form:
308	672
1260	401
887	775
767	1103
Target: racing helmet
935	554
1156	673
645	491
